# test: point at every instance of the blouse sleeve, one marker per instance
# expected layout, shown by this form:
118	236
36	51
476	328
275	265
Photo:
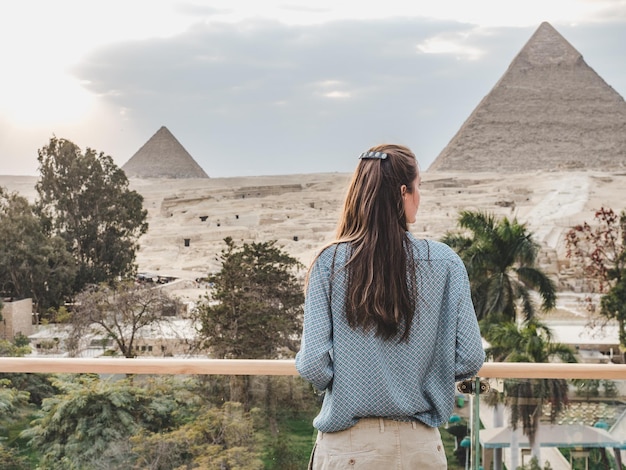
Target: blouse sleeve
314	360
470	354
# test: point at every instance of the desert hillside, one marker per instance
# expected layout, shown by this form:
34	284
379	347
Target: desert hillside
300	211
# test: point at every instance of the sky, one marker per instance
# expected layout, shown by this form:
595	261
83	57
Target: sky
270	87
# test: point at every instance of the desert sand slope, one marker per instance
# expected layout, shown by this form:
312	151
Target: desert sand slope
300	212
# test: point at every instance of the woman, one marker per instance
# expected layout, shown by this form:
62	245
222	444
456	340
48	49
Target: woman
389	327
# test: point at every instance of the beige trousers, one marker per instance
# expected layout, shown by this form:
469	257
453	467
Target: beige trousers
380	444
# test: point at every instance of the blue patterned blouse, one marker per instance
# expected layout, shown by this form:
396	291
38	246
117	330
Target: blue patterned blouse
365	376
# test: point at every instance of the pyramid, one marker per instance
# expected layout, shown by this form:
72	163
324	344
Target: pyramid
549	111
163	157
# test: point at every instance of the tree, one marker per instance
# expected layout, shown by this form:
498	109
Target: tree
500	257
36	386
221	438
613	306
532	342
15	348
11	399
534	465
84	198
32	263
254	309
155	423
119	311
600	253
11	460
91	421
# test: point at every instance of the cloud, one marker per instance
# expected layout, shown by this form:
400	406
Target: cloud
454	43
261	97
270	98
196	9
304	8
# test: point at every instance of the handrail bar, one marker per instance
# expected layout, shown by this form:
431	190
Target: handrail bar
185	366
142	365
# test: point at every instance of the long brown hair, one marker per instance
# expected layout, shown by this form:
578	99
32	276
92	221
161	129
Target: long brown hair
381	290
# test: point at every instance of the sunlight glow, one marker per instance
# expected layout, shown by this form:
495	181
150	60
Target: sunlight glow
28	101
337	94
44	39
452	44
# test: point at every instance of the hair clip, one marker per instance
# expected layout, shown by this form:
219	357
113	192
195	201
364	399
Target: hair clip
378	155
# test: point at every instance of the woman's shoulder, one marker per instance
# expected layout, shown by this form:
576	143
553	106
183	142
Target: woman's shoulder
432	249
332	253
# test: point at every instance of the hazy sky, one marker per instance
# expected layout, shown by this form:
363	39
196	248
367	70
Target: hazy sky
253	87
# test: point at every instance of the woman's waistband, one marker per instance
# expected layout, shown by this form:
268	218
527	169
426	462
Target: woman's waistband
381	423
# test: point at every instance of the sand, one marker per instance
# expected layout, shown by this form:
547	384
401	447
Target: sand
188	219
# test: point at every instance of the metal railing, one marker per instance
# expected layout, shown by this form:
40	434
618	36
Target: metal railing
194	366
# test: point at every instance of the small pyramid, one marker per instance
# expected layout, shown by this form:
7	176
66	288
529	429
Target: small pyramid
163	157
549	111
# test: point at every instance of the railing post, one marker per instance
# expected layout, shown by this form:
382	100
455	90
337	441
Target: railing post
474	387
476	424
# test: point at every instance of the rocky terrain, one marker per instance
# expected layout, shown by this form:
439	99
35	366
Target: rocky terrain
189	218
301	211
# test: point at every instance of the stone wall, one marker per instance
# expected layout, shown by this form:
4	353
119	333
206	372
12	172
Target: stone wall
17	317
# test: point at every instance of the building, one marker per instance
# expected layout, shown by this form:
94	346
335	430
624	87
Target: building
17	318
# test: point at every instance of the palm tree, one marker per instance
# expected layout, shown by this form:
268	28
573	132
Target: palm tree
531	342
500	257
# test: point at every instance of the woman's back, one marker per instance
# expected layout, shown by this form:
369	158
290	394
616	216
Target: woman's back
412	379
389	326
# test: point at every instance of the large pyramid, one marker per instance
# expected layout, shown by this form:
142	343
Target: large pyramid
163	157
549	111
